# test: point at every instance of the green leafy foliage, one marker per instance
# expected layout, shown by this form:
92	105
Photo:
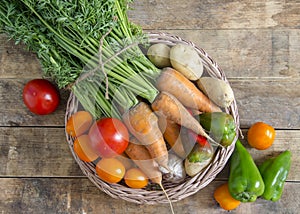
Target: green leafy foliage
86	45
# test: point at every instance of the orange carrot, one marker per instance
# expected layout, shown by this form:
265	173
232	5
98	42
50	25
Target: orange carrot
171	132
143	124
140	155
167	105
142	158
184	90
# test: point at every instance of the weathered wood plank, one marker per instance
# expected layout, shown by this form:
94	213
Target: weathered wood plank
274	101
16	61
240	53
294	47
250	53
33	195
13	111
36	152
175	14
44	152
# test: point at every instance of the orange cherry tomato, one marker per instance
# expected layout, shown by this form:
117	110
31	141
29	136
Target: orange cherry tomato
223	197
83	149
261	135
110	170
135	178
79	123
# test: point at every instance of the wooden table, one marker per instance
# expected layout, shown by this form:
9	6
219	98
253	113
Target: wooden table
257	43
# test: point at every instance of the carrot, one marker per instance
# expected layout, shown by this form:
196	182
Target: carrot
140	155
167	105
184	90
143	124
171	132
142	158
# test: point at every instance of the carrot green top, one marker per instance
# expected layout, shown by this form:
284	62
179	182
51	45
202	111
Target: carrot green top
88	46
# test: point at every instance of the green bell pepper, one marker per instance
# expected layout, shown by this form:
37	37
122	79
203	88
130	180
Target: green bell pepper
274	172
221	125
245	181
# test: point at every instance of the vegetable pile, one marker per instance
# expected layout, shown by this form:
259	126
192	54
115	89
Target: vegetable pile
93	49
146	118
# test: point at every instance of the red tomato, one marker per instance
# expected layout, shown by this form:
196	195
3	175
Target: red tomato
40	96
109	137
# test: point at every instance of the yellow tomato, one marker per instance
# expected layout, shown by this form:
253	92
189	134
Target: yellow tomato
110	170
135	178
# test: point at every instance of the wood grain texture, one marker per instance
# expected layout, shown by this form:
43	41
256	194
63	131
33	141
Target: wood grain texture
250	53
36	195
214	14
37	152
16	61
274	101
44	152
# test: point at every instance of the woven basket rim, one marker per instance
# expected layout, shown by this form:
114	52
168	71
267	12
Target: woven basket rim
190	185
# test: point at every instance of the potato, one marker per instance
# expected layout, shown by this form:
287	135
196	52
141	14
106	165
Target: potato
198	159
217	90
187	61
193	169
159	55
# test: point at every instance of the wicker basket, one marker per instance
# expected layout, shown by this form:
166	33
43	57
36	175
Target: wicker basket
177	191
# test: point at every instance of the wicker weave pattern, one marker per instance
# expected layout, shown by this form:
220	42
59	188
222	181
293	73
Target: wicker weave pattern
190	185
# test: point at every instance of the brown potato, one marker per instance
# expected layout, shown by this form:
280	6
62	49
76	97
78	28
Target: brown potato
187	61
217	90
159	55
